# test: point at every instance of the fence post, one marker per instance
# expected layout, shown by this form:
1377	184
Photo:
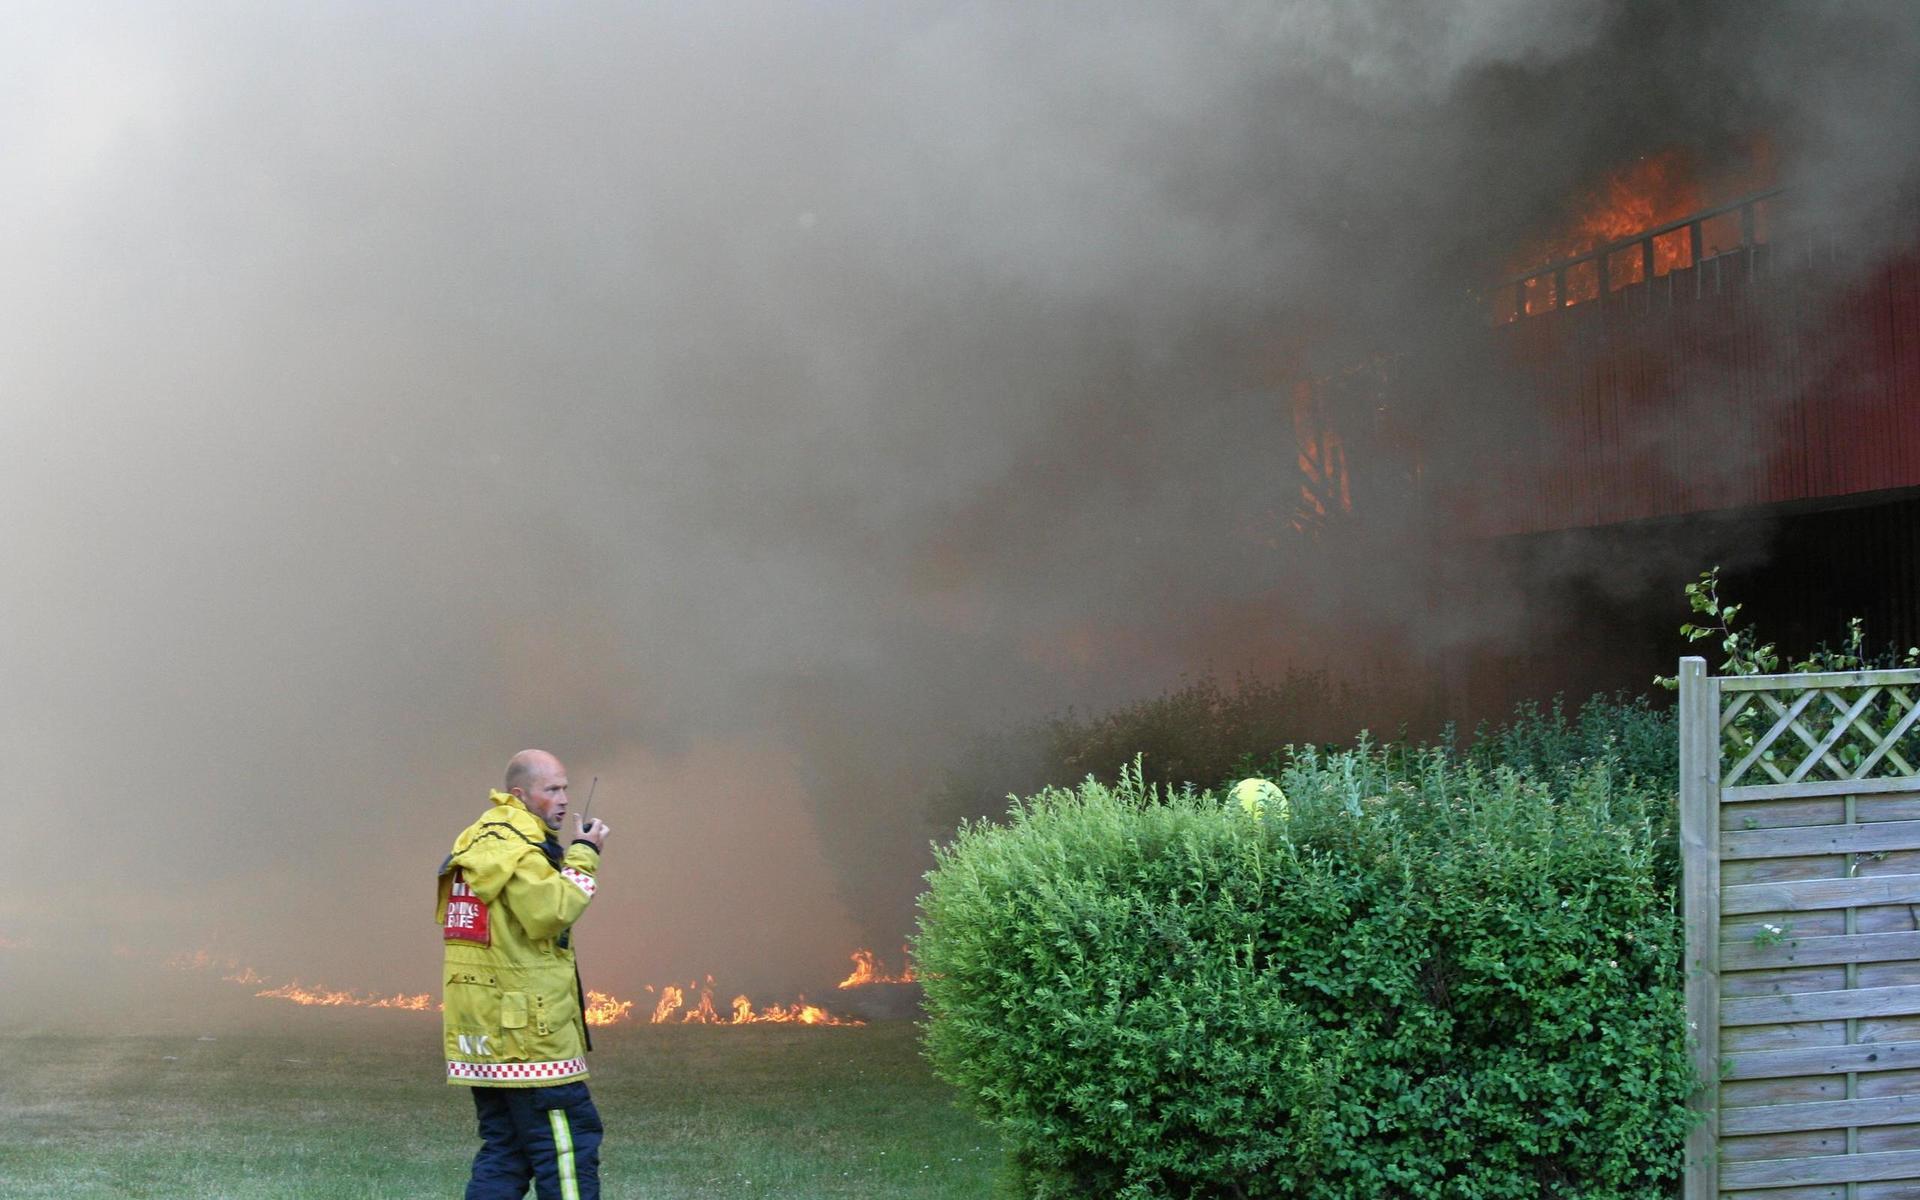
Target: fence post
1700	907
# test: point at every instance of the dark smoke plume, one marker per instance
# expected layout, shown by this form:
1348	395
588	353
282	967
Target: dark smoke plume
747	401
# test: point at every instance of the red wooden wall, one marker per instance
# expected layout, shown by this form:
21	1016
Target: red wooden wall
1771	375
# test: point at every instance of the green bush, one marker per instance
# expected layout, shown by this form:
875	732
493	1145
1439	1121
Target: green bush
1433	979
1641	741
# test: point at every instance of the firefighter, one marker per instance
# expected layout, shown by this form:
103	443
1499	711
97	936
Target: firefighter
514	1027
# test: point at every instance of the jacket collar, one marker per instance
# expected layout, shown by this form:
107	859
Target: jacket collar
509	800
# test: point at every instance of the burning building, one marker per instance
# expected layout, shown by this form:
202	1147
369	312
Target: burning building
1690	373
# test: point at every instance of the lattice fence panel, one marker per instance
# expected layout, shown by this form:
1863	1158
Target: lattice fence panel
1800	831
1842	726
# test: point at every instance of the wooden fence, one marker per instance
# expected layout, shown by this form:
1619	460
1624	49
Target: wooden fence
1800	839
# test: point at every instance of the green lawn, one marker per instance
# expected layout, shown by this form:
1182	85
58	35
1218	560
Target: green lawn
340	1108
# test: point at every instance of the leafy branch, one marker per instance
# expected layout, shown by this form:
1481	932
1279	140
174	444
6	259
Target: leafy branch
1746	653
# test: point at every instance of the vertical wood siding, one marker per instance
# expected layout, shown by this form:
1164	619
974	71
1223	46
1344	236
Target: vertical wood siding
1772	375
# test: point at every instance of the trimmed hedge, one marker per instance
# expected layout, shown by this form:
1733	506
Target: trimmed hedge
1434	979
1200	731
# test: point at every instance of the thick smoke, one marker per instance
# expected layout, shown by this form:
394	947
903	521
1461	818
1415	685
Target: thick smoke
747	401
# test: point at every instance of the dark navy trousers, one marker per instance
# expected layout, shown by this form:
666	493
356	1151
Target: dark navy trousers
546	1136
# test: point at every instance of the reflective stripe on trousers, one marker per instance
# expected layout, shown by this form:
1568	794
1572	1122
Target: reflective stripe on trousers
549	1137
564	1166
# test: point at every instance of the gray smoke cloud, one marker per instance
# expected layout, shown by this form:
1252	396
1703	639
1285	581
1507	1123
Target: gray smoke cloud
747	401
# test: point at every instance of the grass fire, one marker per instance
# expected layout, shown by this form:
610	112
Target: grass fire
830	430
692	1004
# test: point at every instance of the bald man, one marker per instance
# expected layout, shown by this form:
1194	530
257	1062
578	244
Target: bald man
514	1030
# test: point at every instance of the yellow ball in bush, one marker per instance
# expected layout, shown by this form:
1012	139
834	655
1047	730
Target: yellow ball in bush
1257	796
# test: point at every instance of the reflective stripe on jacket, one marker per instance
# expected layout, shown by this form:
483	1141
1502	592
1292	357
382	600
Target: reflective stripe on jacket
511	1012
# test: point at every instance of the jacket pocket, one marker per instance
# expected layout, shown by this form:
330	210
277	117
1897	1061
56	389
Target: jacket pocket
513	1010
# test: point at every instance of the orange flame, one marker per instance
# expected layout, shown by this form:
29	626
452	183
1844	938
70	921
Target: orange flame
325	998
673	1000
1654	190
867	970
801	1013
235	971
1651	191
1324	489
603	1009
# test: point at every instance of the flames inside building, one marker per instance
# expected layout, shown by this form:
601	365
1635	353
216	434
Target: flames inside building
1690	374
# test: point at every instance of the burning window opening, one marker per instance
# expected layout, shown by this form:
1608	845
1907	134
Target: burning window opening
1324	488
1643	222
867	971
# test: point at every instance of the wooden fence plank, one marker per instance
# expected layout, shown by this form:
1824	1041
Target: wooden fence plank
1830	1114
1811	788
1700	793
1875	1139
1765	1146
1821	1006
1822	1060
1896	806
1797	1089
1903	1028
1825	923
1882	918
1885	974
1828	1168
1820	839
1740	871
1789	813
1819	893
1881	862
1811	680
1887	1083
1746	1039
1819	951
1780	981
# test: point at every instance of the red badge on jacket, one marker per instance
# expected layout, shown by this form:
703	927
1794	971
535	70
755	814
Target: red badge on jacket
466	915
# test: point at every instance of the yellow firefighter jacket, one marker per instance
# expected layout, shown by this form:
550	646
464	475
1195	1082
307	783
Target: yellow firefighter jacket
511	1012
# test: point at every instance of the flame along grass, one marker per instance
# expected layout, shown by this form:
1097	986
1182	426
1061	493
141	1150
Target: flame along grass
672	1008
353	1105
867	970
602	1008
